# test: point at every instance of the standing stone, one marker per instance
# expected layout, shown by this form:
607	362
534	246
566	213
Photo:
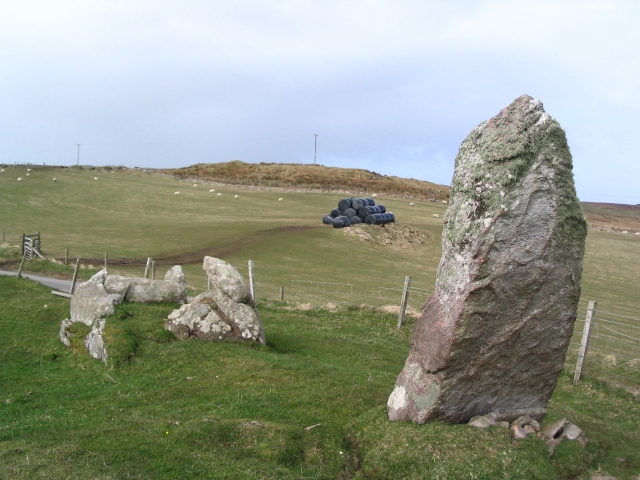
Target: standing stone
494	334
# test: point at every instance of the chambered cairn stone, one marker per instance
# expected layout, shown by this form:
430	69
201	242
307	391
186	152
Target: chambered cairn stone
494	334
226	312
95	300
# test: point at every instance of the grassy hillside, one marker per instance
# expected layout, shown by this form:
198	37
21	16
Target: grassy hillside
133	215
312	176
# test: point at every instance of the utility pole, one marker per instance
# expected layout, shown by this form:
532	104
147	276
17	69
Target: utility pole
315	146
78	161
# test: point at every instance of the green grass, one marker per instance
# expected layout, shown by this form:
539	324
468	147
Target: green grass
191	409
70	416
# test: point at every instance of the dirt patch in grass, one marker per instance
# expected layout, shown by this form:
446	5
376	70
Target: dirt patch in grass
395	236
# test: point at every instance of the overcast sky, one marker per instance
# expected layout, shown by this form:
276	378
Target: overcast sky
390	86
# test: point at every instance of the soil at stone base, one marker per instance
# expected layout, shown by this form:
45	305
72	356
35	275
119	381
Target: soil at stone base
395	236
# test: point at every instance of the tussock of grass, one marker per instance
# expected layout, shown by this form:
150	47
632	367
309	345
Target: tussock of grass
78	333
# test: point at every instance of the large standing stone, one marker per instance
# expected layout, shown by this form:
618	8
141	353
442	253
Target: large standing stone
494	334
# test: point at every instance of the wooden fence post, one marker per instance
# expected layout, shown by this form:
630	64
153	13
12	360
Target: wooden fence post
75	276
405	299
146	269
281	293
22	244
153	269
584	342
252	284
21	263
66	255
105	260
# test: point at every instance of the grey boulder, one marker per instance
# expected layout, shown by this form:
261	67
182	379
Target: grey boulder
216	314
227	279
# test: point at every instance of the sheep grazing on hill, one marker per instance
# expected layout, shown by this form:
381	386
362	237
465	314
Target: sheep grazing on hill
95	178
54	179
280	199
2	171
411	204
28	169
218	194
435	215
176	193
212	190
444	201
195	184
19	179
28	174
235	196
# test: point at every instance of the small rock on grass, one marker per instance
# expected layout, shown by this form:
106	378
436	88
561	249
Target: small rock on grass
571	431
517	432
550	431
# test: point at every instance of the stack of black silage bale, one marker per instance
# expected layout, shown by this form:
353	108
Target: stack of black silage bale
352	211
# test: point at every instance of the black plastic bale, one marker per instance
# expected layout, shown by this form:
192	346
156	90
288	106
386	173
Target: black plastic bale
335	213
358	203
327	220
341	221
370	201
382	208
355	220
380	218
344	204
349	212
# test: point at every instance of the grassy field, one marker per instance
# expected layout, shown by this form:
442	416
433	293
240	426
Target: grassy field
232	410
198	410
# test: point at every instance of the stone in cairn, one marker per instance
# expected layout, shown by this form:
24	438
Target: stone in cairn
352	211
94	301
226	312
494	334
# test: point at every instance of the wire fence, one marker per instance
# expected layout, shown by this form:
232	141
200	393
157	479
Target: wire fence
10	238
613	348
613	353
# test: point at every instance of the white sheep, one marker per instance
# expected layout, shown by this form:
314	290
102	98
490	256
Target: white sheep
212	190
176	193
19	179
435	215
280	199
28	169
235	196
218	194
411	204
28	174
54	179
2	171
95	178
195	184
374	195
444	201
